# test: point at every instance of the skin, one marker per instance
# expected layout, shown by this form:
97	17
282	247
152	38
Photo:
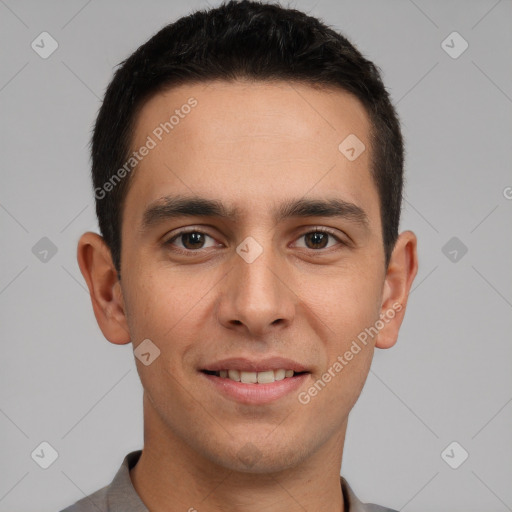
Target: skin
253	146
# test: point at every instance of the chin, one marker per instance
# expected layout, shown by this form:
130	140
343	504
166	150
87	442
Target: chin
258	458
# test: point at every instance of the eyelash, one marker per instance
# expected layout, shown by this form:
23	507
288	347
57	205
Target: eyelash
191	252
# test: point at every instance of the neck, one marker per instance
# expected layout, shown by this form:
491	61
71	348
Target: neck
170	473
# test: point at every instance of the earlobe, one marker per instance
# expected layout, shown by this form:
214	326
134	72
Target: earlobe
400	274
95	262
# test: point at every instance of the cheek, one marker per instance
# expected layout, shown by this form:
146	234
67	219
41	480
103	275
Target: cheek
162	310
347	301
348	305
160	299
164	307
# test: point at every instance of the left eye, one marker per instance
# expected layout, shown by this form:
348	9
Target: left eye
318	239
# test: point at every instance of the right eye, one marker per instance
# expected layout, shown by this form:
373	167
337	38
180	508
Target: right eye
191	240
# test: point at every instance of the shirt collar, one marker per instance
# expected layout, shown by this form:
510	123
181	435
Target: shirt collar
122	496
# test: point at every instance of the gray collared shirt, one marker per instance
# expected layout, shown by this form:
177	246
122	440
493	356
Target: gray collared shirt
121	496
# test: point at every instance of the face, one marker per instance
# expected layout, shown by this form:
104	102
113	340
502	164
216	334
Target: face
284	271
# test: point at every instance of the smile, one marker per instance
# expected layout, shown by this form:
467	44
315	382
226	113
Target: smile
255	388
248	377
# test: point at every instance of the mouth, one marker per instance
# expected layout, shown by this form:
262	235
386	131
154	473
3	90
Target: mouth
251	382
251	377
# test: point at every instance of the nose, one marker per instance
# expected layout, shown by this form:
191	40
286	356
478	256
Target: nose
256	297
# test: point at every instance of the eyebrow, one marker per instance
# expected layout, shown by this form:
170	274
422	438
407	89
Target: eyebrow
170	207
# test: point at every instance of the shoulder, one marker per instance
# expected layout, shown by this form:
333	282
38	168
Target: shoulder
354	504
96	502
118	496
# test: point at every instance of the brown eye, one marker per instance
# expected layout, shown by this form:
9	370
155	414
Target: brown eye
318	239
190	241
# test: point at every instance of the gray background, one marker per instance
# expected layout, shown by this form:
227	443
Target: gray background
449	377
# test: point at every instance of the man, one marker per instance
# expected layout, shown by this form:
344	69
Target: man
247	167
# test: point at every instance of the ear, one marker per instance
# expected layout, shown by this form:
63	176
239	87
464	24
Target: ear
95	262
401	271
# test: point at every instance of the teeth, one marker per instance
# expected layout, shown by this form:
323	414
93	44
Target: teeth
279	374
248	377
234	375
266	377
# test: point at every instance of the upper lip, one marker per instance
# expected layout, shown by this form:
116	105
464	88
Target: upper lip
252	365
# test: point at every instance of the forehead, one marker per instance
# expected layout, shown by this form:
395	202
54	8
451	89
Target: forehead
251	143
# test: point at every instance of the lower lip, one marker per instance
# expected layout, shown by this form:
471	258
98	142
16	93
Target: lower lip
256	394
